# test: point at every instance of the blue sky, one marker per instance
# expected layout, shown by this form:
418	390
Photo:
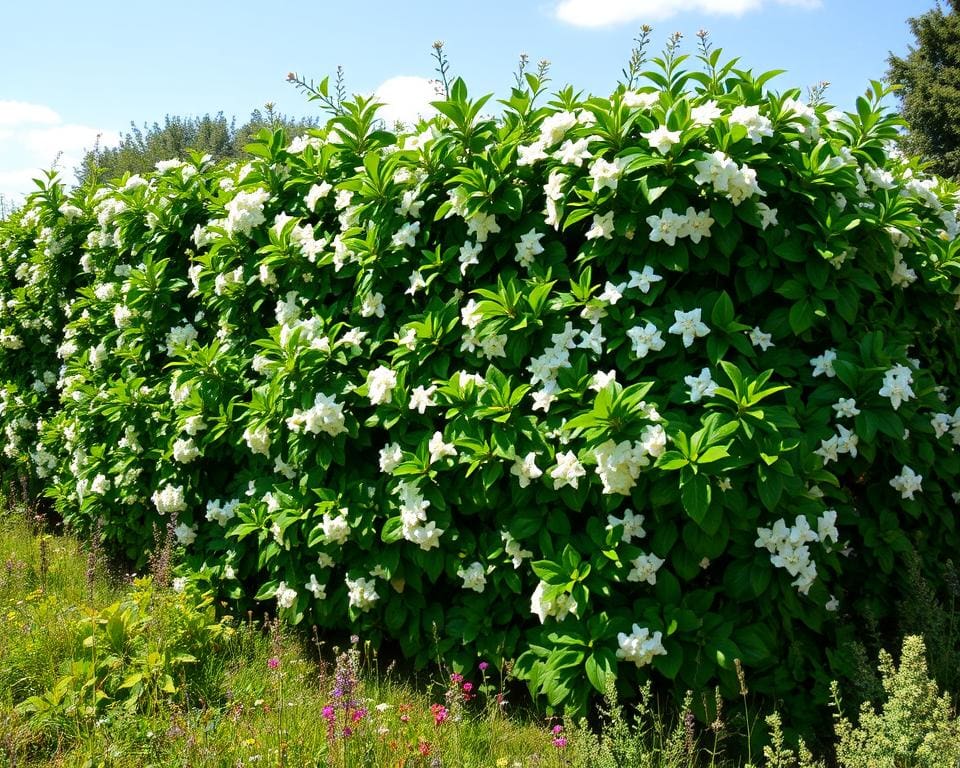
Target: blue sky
70	71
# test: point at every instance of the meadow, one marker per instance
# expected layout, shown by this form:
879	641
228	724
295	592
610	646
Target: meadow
97	673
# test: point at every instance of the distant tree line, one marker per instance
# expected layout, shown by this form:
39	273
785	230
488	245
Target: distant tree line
143	146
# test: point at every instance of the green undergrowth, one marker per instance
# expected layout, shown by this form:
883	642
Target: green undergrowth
102	669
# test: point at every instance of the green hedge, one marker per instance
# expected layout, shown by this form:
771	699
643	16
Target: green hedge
618	386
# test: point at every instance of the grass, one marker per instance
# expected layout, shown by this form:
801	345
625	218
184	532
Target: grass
102	670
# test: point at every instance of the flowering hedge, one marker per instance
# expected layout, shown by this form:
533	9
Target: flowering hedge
648	382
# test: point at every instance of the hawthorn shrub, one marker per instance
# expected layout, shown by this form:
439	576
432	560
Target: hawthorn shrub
641	384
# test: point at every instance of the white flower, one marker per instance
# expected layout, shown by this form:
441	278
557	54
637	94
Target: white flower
602	226
542	400
606	174
473	577
750	118
640	647
372	305
529	247
185	451
555	126
827	527
846	407
186	534
661	139
700	386
688	325
319	590
645	339
612	292
169	499
439	449
907	482
245	211
526	469
697	225
667	227
896	385
573	152
592	340
706	113
380	384
641	100
824	364
846	441
643	280
316	192
468	256
362	593
531	153
285	595
632	525
645	568
336	529
513	549
768	215
560	607
390	456
258	440
406	236
417	282
481	225
601	380
422	398
568	471
760	339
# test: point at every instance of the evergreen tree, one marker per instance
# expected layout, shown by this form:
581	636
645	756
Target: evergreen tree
930	79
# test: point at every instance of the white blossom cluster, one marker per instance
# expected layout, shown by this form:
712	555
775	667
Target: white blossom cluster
788	546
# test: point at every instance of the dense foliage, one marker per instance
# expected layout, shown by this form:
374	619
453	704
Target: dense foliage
646	383
929	78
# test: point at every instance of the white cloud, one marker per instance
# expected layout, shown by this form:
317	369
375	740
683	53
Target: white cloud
23	113
602	13
406	99
34	137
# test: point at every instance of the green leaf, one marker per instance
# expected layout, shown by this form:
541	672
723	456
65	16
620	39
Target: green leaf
801	316
601	668
695	497
723	312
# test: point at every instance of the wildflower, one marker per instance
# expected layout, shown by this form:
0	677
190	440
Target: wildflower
440	713
273	662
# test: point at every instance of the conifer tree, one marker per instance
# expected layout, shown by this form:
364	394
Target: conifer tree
929	76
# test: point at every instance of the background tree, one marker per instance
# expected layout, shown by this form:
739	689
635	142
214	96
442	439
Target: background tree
929	76
142	147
